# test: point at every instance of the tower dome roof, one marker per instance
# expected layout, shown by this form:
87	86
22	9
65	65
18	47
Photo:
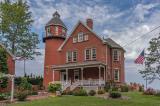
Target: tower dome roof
56	20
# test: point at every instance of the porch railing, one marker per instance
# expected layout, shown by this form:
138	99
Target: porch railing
73	85
96	82
65	84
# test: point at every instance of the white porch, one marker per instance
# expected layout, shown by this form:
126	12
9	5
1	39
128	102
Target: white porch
84	75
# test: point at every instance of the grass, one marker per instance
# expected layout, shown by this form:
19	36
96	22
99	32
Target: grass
137	99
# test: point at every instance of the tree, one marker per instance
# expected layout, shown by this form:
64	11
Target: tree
16	34
152	61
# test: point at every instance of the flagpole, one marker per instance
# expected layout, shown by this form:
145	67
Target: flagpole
145	69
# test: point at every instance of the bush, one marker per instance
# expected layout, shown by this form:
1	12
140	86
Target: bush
107	88
4	96
149	91
80	92
141	89
22	95
92	92
124	88
54	87
34	93
115	94
100	91
157	93
24	85
67	93
114	88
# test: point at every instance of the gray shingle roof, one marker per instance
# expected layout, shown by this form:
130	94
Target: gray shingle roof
112	43
56	20
75	65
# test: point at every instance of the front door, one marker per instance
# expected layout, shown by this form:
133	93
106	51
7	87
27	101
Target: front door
76	75
63	76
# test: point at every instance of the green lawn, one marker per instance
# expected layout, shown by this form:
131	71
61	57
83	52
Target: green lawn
137	99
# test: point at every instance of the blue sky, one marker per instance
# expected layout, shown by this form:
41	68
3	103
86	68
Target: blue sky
122	20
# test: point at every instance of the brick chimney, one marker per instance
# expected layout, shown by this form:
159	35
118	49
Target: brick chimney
89	23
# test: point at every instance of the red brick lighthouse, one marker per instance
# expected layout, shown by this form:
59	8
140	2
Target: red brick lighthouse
55	35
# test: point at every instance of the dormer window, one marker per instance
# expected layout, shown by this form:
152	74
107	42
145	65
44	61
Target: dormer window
80	37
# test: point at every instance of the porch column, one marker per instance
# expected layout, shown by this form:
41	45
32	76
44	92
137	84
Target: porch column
82	76
99	74
53	76
66	75
12	89
104	73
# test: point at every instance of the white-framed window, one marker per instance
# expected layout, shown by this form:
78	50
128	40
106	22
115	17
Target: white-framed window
116	74
87	54
48	31
76	75
56	30
69	56
80	37
86	37
63	30
94	53
74	56
74	39
116	54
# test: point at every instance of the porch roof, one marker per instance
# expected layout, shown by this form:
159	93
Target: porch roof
78	65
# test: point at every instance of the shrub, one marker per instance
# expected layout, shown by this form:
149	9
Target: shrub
114	94
124	88
22	95
149	91
114	88
54	87
24	85
34	93
141	88
67	93
100	91
107	87
80	92
4	96
157	93
92	92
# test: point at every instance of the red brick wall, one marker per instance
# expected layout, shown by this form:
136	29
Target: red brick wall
104	54
93	42
11	70
51	58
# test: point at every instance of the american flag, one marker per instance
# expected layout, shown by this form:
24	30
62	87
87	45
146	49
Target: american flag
140	58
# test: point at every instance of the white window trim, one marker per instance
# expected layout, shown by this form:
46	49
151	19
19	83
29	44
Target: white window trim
118	54
85	37
67	54
116	69
80	34
74	39
75	74
92	54
73	56
56	30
